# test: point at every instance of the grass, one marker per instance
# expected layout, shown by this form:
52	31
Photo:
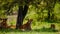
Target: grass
9	31
39	28
30	32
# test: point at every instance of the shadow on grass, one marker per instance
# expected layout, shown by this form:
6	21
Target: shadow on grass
35	30
13	30
45	30
10	30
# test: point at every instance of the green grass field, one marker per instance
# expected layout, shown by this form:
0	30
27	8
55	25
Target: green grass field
29	33
36	29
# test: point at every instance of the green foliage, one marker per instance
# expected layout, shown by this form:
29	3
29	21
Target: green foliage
38	9
2	14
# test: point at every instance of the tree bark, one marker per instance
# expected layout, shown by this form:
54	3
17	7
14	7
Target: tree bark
21	15
19	18
25	10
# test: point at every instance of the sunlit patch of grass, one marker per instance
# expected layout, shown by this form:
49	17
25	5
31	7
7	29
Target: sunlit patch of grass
46	25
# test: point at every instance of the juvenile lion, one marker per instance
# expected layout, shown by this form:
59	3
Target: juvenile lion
27	26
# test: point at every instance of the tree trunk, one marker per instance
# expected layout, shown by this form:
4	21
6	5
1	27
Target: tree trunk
21	15
25	11
19	18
